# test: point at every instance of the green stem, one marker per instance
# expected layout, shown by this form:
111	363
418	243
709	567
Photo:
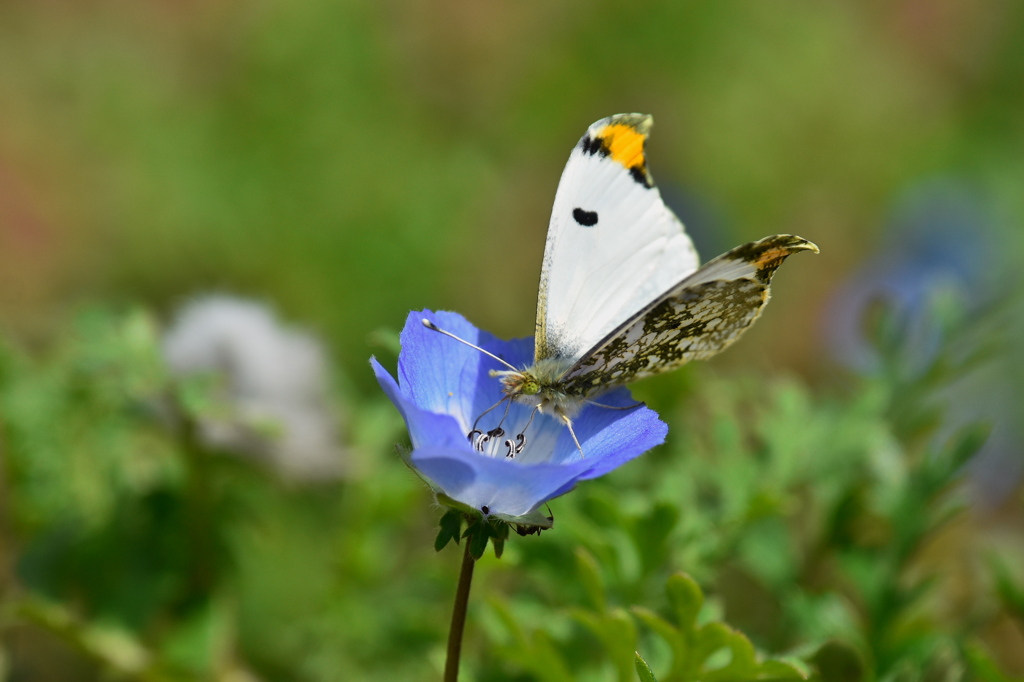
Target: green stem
451	666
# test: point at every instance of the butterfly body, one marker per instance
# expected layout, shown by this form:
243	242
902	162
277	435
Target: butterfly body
542	386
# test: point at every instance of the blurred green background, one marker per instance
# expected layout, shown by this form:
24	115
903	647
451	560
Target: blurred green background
348	162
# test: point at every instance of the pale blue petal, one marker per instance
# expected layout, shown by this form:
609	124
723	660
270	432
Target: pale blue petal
425	427
501	485
610	438
440	374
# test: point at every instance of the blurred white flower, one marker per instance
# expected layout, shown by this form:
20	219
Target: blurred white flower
274	381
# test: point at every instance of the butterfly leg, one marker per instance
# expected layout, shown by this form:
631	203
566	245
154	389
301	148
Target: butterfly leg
568	425
478	438
517	446
616	407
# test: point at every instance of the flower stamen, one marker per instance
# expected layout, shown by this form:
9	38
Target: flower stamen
516	447
479	439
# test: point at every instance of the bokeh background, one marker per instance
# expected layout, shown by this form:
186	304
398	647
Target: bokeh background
344	163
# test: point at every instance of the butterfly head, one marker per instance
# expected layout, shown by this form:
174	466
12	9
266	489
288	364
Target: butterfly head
515	383
540	386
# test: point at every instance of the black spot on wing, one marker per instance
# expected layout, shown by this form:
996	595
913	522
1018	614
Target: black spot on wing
639	173
594	145
585	218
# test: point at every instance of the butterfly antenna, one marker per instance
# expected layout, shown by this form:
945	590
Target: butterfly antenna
430	325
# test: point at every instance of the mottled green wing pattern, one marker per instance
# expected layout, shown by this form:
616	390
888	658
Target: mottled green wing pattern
701	316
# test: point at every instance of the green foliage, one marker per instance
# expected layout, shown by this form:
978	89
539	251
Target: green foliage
801	519
698	651
695	648
351	161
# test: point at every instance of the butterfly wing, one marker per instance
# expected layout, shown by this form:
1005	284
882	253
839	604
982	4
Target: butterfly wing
699	317
613	245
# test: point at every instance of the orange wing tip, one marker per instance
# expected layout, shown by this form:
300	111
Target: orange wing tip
625	144
767	254
622	138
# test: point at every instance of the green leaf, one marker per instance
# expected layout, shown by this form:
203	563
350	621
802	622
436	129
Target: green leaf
656	622
620	641
590	576
742	664
744	658
686	598
544	659
651	532
617	633
643	670
676	639
982	667
709	640
779	671
1010	594
839	661
193	643
965	443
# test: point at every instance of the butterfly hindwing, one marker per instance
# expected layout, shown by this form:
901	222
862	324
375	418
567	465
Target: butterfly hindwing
699	317
613	245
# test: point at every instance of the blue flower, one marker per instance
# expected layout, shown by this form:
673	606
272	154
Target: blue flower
443	387
937	251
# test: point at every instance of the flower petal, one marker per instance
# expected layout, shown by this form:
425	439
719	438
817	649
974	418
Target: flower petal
500	485
440	374
611	438
425	427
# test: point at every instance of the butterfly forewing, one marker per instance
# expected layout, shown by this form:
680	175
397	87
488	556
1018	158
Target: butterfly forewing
613	245
699	317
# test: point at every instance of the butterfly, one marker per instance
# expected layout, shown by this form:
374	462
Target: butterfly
622	292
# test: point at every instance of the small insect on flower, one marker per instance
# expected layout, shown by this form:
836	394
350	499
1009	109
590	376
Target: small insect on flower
621	294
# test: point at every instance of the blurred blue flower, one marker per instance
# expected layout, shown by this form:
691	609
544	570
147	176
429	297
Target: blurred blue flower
935	248
443	388
941	252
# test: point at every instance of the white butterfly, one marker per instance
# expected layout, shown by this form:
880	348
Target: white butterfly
621	295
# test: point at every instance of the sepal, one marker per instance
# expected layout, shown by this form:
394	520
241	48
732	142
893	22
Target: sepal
450	529
481	530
